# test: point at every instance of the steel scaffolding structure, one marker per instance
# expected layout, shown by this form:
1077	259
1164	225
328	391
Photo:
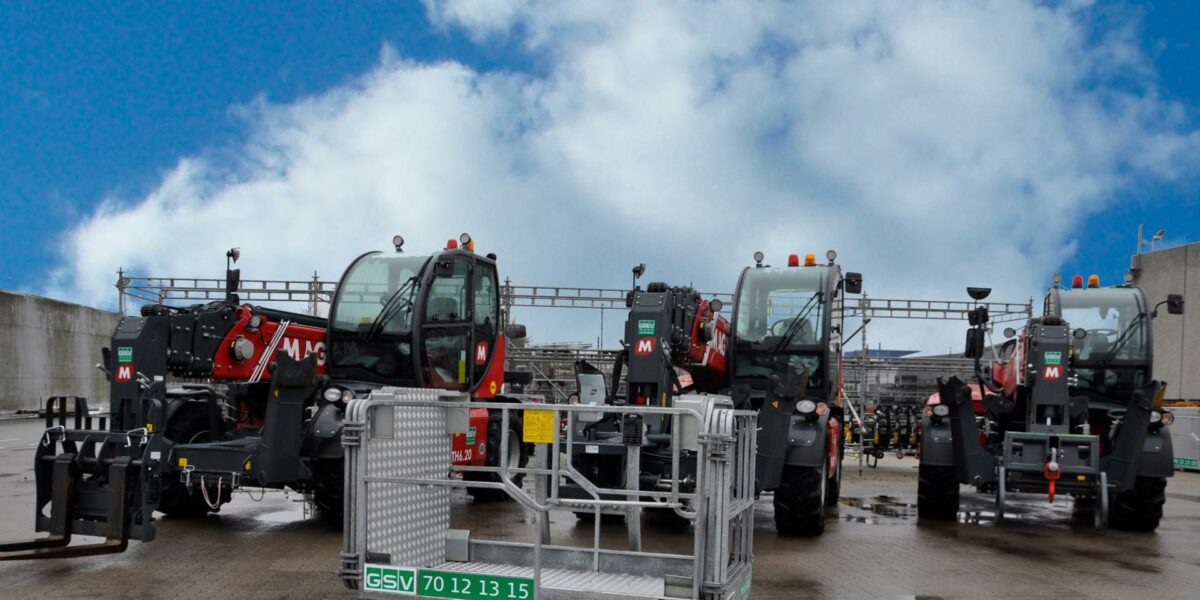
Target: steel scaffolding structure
316	291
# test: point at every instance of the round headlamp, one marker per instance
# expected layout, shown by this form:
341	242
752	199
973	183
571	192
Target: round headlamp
347	395
941	410
1168	417
1155	416
332	394
805	407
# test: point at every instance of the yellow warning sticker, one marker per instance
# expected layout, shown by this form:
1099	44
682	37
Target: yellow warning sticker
182	461
538	427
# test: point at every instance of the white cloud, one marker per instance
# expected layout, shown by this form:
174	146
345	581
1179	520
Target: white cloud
934	144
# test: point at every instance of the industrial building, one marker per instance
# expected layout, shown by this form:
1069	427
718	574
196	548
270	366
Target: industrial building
1176	338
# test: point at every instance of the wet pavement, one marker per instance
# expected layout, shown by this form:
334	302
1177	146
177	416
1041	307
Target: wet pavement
263	546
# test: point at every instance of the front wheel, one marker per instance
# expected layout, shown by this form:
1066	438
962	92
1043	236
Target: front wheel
937	493
329	491
835	481
518	456
800	500
190	425
1141	507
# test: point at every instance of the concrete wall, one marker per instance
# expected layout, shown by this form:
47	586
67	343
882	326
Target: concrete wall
1176	337
50	348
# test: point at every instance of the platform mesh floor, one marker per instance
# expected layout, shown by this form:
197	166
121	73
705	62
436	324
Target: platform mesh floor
561	579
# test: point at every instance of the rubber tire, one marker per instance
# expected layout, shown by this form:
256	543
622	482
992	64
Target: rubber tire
188	425
937	493
588	517
834	492
800	500
1140	508
329	491
493	459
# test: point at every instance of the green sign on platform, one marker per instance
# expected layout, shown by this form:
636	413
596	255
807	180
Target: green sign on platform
1182	461
447	584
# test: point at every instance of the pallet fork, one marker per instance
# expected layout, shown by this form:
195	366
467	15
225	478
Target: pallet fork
95	486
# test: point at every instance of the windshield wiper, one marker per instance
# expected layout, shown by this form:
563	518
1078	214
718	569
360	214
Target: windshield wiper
1122	339
390	308
797	322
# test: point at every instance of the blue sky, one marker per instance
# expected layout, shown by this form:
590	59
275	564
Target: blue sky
107	100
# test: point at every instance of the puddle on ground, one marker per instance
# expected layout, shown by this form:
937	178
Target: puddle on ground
884	506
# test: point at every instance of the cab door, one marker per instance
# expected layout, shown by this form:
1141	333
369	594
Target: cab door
485	299
447	327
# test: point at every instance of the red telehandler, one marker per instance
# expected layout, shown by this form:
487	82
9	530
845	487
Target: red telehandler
1069	407
270	411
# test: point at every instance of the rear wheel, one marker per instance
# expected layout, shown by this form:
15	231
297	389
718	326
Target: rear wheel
189	425
800	500
518	456
937	493
1140	508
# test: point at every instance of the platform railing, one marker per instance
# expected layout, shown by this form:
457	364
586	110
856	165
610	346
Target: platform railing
399	474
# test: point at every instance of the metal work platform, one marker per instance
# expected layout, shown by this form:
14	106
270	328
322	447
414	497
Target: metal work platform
398	540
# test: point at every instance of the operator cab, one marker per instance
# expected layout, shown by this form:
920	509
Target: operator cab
420	321
788	319
1110	345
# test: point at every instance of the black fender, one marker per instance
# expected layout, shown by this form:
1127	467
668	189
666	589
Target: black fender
323	436
1158	455
808	441
937	446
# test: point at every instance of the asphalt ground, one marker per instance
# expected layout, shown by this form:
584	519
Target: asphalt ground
873	546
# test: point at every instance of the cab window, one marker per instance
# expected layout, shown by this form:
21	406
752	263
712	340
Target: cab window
447	300
485	297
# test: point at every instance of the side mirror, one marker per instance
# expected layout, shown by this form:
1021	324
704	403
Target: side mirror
1175	304
1009	332
233	280
974	347
1079	333
979	316
853	283
716	305
515	332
